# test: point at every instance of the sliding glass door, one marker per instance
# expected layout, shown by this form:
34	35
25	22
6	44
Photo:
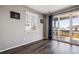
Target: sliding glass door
75	30
61	29
66	29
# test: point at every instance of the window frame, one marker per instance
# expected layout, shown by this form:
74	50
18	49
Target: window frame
36	21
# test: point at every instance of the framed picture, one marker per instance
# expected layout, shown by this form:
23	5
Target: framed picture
14	15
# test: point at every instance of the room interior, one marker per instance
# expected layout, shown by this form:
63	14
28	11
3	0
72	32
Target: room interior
39	29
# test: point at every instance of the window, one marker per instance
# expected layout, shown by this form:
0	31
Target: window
31	22
68	28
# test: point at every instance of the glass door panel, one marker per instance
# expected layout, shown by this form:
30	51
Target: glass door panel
55	29
75	30
64	29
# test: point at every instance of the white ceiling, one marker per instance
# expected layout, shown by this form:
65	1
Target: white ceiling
48	8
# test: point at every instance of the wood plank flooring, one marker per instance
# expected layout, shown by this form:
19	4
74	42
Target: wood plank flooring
45	47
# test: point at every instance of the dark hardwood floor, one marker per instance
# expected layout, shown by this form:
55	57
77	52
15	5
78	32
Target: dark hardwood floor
45	47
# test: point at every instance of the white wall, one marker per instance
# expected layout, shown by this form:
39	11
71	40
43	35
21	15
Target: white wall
34	36
12	31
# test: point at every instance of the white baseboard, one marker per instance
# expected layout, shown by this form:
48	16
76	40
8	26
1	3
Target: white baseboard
16	46
12	47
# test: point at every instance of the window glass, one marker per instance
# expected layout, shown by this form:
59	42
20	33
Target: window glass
31	22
